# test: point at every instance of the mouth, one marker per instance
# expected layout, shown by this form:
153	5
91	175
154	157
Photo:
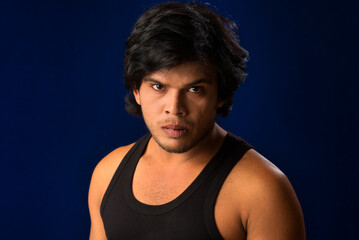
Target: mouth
174	130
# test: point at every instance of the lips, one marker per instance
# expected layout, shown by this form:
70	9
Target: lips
174	130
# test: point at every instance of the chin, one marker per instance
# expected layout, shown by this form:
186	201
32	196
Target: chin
176	147
175	150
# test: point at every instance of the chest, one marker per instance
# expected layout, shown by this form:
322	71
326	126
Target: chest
158	188
153	185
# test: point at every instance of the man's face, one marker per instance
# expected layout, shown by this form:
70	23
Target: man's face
179	105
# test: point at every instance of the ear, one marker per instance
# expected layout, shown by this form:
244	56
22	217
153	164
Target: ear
136	93
220	103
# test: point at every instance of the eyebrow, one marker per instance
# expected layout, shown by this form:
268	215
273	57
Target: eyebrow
195	82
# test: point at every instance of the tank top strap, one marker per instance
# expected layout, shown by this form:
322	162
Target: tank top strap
235	149
135	152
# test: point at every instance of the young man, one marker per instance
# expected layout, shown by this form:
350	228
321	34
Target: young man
188	178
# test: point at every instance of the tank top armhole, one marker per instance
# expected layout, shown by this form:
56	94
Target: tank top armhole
119	169
225	168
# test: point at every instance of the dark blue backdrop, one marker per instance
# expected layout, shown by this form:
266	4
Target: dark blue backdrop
62	106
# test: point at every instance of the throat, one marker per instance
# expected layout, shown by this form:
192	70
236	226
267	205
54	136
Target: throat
160	177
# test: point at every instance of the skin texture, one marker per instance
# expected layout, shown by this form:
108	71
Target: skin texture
185	95
179	106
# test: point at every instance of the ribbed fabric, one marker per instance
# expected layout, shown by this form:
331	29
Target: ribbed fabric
189	216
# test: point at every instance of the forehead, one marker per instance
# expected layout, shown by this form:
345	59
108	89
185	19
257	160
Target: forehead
185	73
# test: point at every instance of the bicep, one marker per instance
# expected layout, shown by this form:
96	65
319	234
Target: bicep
97	231
276	212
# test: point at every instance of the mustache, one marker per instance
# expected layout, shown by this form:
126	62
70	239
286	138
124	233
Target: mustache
176	121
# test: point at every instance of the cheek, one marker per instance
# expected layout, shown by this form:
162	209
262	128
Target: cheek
149	106
204	108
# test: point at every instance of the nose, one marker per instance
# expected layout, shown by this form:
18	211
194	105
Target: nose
175	103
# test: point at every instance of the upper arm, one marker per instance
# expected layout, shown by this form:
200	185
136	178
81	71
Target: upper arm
277	214
274	210
264	200
94	202
100	180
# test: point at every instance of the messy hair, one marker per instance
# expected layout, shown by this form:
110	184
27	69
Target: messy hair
173	33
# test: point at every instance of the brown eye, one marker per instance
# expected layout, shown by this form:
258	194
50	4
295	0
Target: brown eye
194	89
157	87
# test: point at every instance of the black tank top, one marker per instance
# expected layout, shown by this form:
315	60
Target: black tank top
189	216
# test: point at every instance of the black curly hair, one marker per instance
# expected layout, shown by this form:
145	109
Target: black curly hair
173	33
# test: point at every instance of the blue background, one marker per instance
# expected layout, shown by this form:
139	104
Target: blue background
62	106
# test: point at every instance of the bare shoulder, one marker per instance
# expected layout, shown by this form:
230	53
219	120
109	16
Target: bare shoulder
100	180
106	168
255	171
265	199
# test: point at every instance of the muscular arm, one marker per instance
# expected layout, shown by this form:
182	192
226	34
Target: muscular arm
274	211
101	178
96	190
259	198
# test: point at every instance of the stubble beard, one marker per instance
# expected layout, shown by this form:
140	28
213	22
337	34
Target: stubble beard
195	140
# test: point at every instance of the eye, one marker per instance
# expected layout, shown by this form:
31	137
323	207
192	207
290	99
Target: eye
157	87
195	89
